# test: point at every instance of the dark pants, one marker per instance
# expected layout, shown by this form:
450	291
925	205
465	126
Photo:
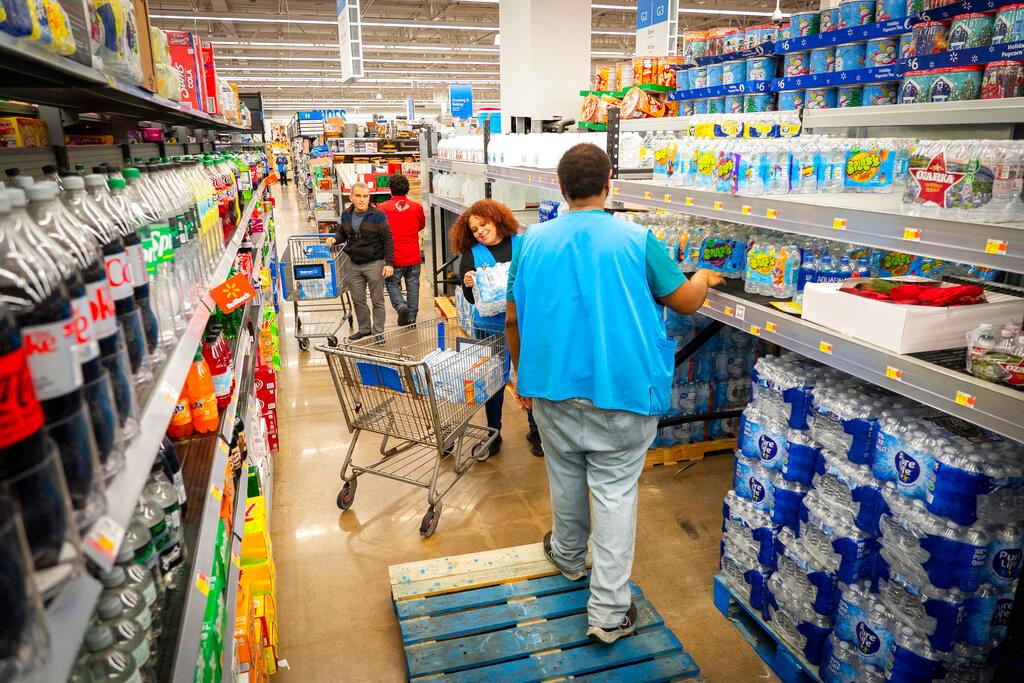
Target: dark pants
284	177
493	410
411	275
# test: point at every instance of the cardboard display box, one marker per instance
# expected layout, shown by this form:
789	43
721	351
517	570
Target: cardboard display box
184	49
901	328
145	45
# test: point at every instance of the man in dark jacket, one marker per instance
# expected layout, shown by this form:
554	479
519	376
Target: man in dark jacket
365	232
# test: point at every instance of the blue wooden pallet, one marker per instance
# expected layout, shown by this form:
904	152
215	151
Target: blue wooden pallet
789	666
530	629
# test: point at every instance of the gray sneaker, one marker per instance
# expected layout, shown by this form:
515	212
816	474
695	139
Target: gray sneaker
610	635
571	574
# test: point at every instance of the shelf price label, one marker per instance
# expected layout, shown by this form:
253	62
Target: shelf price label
203	583
996	247
728	310
745	210
771	213
912	234
755	330
233	293
668	197
235	561
647	194
529	178
717	206
103	541
771	327
825	347
741	312
688	201
964	399
615	190
554	181
839	223
707	303
215	492
893	373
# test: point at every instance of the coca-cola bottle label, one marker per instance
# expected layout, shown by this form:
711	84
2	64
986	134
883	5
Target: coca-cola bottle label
20	412
119	276
101	309
81	330
52	359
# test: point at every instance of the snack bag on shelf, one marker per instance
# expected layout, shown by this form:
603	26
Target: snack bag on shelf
640	105
589	108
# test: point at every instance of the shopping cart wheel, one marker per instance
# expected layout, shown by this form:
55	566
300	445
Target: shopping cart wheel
347	495
429	524
332	341
303	344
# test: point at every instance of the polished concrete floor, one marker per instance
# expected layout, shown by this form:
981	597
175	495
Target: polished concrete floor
333	594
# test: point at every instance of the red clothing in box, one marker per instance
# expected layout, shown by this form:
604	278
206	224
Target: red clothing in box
406	219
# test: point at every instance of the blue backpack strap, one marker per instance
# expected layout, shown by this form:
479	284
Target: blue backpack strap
482	257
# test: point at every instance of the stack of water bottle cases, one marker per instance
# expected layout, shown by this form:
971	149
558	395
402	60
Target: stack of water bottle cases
878	538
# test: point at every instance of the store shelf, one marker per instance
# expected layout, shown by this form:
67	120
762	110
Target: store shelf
525	218
376	154
325	215
467	167
952	391
66	622
869	219
526	176
972	113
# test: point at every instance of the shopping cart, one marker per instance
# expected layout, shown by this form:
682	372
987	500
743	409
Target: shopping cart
418	386
313	278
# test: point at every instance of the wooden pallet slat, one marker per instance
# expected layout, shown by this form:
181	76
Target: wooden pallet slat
500	646
685	452
482	597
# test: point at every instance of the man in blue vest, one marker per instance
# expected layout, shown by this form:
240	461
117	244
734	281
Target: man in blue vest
587	339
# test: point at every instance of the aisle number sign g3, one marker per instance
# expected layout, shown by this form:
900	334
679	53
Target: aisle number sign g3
656	27
460	100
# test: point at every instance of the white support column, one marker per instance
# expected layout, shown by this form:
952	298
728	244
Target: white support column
545	57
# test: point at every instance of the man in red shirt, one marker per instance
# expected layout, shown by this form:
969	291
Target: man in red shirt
406	219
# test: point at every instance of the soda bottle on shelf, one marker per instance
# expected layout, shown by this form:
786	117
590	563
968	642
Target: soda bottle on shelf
217	354
130	221
167	455
186	269
63	235
119	274
202	398
34	287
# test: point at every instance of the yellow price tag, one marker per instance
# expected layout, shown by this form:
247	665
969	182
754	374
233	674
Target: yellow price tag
839	223
771	327
893	373
264	277
647	195
668	198
529	178
615	190
689	201
717	206
707	303
755	330
728	310
912	234
995	247
745	210
825	347
771	213
235	561
554	181
203	583
964	399
216	492
222	447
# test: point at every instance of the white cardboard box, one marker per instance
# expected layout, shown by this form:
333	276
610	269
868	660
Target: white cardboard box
901	328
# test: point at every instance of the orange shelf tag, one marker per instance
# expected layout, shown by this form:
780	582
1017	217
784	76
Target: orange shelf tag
839	223
964	399
825	347
893	373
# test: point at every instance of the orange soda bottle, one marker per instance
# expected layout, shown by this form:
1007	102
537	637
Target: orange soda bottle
181	418
202	398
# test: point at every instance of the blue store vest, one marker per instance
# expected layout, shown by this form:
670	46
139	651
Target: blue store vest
588	324
489	324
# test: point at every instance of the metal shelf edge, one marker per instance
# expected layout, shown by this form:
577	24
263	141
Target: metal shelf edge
66	623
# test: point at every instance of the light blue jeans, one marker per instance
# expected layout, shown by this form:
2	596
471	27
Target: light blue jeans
594	459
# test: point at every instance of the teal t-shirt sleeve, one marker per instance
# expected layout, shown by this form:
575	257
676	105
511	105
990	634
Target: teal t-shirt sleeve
663	275
512	268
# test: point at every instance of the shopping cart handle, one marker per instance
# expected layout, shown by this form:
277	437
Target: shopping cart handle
323	235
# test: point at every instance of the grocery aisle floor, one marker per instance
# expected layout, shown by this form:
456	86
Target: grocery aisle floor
335	614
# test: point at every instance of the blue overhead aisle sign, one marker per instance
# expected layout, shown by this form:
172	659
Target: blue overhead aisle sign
460	100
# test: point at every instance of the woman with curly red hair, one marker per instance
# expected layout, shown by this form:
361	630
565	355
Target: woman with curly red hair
486	234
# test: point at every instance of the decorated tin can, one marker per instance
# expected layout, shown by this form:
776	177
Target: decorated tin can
829	19
734	104
930	37
877	94
734	72
695	44
916	87
850	56
1009	25
733	41
714	75
1002	79
687	108
804	24
956	83
716	105
882	51
760	68
791	100
971	30
698	77
758	102
906	45
849	96
890	9
786	32
820	98
823	60
856	13
683	79
700	106
796	63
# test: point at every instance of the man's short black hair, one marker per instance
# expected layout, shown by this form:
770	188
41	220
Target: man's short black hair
399	185
583	171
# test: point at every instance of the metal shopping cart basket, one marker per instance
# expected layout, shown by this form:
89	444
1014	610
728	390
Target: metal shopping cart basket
313	278
418	387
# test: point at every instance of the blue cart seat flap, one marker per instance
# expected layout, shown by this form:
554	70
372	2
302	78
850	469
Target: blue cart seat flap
317	251
373	375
